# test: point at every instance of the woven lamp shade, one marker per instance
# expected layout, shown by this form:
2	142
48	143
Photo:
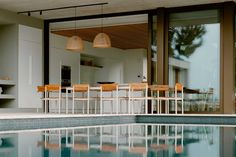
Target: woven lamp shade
102	40
75	44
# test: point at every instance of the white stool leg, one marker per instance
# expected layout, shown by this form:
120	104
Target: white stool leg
88	103
73	102
66	101
117	102
160	106
176	106
129	112
182	103
59	102
132	102
101	105
83	102
45	103
45	106
112	103
95	107
146	101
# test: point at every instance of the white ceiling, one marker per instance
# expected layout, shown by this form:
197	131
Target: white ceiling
111	7
123	20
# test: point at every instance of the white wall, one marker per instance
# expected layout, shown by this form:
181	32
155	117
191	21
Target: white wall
8	51
30	64
9	59
134	65
112	70
21	61
88	74
59	56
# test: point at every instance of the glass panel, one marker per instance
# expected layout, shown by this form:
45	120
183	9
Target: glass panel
154	50
235	60
194	58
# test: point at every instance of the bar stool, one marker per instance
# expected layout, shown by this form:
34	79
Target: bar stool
56	91
135	88
179	96
82	89
41	89
109	88
155	94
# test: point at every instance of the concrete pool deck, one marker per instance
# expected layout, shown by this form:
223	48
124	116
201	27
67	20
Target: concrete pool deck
4	116
25	121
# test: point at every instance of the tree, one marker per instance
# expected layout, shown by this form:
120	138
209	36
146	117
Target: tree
185	40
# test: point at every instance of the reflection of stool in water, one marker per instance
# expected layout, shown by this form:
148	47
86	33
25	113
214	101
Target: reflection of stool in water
167	136
52	140
138	150
138	139
178	149
78	139
108	148
109	139
80	147
46	145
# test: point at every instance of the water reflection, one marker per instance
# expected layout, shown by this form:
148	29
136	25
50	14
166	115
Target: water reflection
152	140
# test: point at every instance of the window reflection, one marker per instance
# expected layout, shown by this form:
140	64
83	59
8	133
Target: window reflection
154	50
194	58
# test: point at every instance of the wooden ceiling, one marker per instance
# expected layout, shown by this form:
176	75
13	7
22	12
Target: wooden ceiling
131	36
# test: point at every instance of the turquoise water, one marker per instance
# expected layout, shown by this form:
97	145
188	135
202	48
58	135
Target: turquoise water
130	140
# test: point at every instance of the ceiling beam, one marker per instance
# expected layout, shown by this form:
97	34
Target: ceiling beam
100	16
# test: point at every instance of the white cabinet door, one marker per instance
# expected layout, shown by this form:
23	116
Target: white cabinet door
30	72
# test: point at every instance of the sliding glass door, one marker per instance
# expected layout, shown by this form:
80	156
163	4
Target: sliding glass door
194	58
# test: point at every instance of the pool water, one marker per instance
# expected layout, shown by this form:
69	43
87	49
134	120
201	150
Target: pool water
129	140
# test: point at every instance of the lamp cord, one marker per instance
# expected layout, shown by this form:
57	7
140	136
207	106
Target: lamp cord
102	19
75	20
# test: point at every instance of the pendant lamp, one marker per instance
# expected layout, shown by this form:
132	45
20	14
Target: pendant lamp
75	43
102	40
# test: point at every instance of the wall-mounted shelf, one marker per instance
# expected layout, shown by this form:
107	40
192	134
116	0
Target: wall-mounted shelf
89	61
7	82
7	86
93	66
7	96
